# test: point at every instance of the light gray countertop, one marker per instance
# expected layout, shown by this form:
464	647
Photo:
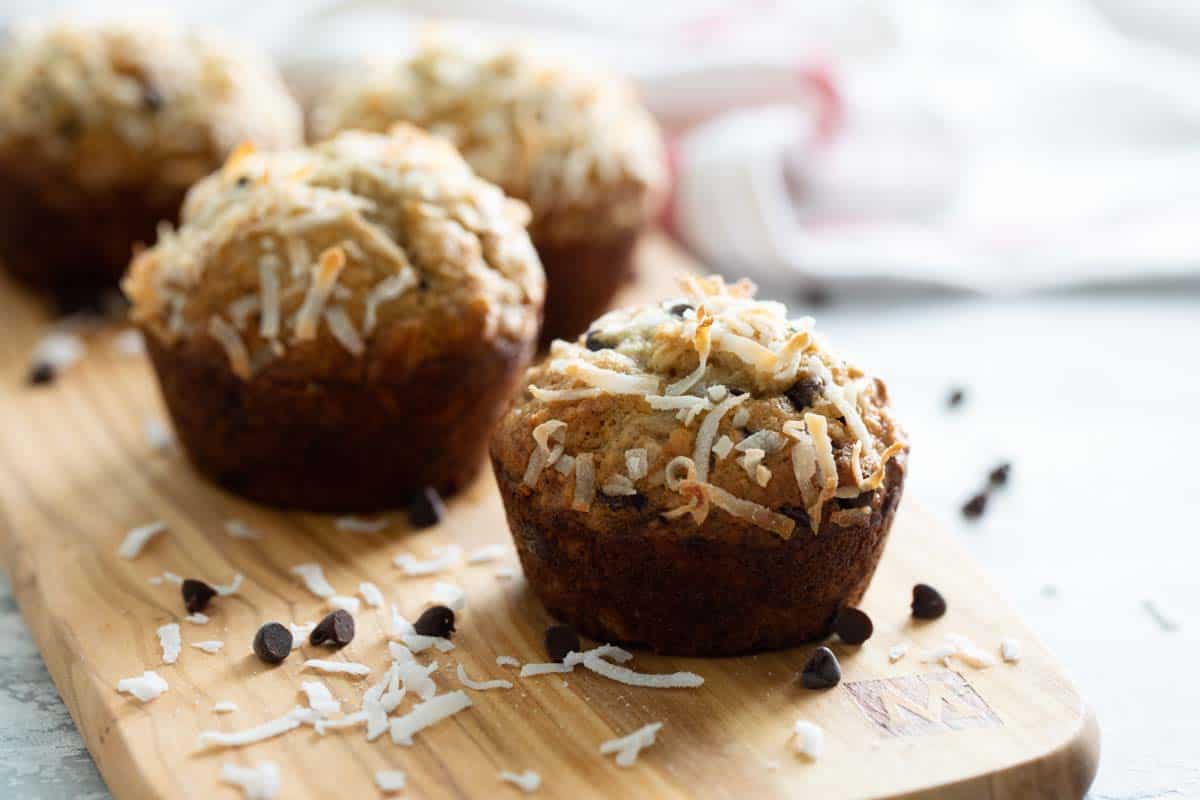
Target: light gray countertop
1094	397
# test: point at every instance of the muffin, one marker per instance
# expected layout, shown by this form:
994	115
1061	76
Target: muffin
102	130
701	476
335	328
576	145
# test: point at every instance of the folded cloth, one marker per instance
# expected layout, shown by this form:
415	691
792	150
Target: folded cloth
996	147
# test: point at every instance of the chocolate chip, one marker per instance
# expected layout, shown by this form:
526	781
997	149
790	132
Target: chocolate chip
803	392
594	342
152	98
70	128
243	181
435	621
816	296
272	643
927	602
196	595
679	309
974	508
956	397
821	671
635	501
560	640
426	508
853	626
336	629
42	373
999	475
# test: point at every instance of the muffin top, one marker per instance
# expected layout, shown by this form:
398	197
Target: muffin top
366	246
575	144
711	400
118	104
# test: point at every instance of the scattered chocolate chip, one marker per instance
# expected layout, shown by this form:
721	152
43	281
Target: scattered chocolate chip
435	621
803	392
817	296
196	595
152	98
999	475
853	626
426	509
679	309
956	397
272	643
243	181
42	373
927	602
594	342
821	671
560	640
974	508
336	629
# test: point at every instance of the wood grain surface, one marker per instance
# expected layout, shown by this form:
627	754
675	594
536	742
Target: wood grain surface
77	471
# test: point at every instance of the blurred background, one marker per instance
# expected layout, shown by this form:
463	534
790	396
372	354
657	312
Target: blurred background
998	201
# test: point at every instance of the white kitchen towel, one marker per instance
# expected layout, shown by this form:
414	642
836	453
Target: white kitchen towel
983	145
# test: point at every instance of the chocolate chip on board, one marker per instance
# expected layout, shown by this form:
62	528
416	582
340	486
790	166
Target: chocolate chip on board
927	602
956	397
821	671
336	629
426	508
999	475
272	643
42	373
560	640
853	626
435	621
974	508
196	595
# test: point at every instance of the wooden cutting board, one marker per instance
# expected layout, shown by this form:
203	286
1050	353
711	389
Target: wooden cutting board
77	471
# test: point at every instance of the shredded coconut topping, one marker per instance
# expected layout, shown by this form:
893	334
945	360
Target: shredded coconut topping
628	747
465	680
133	543
145	687
527	781
260	782
314	579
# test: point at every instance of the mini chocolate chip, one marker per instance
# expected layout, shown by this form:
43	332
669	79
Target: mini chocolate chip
817	296
853	626
426	509
560	640
999	475
956	397
679	309
594	342
152	98
803	392
974	508
243	181
821	671
42	373
927	602
196	595
272	643
435	621
336	629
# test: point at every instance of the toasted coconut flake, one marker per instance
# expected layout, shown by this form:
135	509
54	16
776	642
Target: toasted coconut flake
387	289
268	289
875	479
235	349
767	441
324	278
637	463
564	395
608	380
723	447
818	428
618	485
748	510
343	330
544	455
585	481
706	436
565	464
702	341
750	461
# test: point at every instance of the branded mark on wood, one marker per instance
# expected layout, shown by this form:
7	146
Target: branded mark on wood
914	705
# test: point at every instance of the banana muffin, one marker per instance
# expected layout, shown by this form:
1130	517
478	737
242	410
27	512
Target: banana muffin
575	144
335	328
103	127
701	476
